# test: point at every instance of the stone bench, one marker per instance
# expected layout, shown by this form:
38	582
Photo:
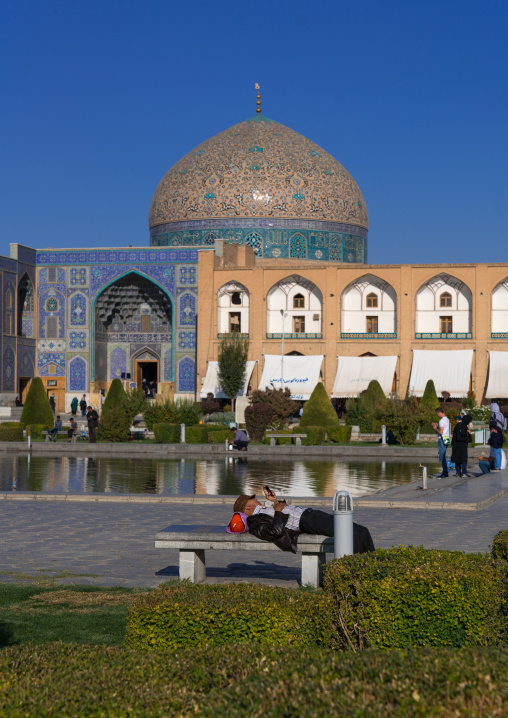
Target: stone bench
75	436
192	542
273	438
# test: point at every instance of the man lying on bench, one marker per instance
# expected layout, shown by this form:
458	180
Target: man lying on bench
282	523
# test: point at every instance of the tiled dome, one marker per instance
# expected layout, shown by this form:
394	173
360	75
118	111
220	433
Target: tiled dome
258	168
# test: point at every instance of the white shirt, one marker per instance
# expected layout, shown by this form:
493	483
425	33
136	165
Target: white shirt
445	423
294	513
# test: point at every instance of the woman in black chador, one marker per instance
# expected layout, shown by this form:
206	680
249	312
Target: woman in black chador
460	439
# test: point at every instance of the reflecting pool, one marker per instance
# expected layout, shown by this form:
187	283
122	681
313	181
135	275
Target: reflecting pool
185	477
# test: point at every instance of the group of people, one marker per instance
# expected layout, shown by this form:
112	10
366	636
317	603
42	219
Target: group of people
87	412
461	437
150	388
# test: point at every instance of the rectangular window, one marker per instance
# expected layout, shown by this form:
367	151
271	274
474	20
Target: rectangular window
372	325
299	325
446	325
51	274
145	323
52	328
8	323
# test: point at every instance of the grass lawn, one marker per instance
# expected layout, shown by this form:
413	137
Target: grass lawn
43	612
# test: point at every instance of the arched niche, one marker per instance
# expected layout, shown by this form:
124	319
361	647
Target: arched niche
369	306
233	309
131	311
302	316
26	308
499	312
443	306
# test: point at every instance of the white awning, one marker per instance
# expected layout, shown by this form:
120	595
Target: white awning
300	373
354	374
211	383
449	370
497	386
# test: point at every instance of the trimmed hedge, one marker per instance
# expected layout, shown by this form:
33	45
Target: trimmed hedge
219	437
35	430
339	434
500	545
319	411
72	681
403	597
315	434
167	433
222	614
11	433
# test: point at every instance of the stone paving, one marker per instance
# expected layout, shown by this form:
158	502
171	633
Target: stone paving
113	544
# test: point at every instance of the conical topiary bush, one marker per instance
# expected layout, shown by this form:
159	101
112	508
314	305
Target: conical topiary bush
37	409
429	399
374	394
318	411
115	396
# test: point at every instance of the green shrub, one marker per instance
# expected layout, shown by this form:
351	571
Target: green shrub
429	399
115	396
228	614
404	597
37	409
315	434
167	433
219	437
182	411
35	430
114	424
11	433
15	424
73	681
196	434
319	411
339	434
134	402
224	418
374	394
257	420
500	545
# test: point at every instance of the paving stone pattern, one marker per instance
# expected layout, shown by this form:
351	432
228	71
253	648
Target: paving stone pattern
117	541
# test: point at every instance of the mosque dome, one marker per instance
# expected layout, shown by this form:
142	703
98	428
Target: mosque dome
258	169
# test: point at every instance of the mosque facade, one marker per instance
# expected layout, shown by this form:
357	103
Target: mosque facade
258	232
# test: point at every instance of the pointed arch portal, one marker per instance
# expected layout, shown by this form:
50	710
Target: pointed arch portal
132	317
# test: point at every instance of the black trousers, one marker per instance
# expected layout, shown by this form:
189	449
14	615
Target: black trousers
91	434
240	444
313	521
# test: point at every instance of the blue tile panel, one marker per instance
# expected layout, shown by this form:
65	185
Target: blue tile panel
117	256
437	335
186	375
370	335
8	368
499	335
297	242
236	335
294	335
78	375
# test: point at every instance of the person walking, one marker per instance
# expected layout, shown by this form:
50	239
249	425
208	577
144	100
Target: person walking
74	406
52	403
82	405
460	439
442	429
92	418
496	442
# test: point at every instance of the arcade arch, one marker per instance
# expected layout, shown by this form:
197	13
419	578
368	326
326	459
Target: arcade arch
301	303
233	309
26	308
443	306
499	311
369	306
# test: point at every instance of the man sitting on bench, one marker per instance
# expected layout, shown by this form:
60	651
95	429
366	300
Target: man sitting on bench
72	429
53	433
283	523
241	440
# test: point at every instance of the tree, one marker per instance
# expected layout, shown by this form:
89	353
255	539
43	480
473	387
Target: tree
280	401
115	396
257	420
115	419
36	409
232	361
374	394
429	399
318	411
404	419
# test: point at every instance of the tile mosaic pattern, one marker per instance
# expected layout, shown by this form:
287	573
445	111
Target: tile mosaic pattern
280	239
78	340
187	309
118	363
8	369
371	335
78	375
26	361
51	302
293	335
46	360
258	168
437	335
186	374
168	365
186	340
79	310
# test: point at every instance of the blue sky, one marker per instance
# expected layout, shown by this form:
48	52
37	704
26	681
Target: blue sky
100	99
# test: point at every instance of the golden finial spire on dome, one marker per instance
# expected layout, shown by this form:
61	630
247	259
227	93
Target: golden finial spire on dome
258	100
